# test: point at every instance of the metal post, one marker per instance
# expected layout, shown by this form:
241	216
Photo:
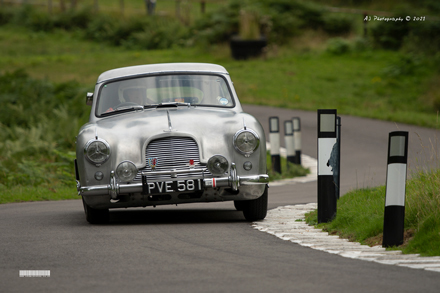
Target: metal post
365	24
202	6
289	141
327	146
274	137
394	216
297	135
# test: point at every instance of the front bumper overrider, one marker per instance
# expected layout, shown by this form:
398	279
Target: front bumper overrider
114	188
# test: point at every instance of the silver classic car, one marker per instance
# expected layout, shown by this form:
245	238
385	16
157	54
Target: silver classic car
169	134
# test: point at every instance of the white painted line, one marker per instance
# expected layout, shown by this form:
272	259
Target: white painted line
287	223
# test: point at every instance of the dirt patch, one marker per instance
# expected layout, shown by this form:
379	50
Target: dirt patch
378	240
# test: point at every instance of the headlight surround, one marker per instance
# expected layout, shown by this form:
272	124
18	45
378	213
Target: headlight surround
246	141
126	171
97	151
218	165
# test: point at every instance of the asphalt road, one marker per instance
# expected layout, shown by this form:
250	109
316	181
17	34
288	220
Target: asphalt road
206	247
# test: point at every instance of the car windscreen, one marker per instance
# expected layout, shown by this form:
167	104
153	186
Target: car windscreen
194	89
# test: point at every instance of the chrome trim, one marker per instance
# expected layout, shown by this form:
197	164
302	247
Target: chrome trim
92	141
89	99
173	172
235	179
245	129
114	186
127	161
173	156
114	189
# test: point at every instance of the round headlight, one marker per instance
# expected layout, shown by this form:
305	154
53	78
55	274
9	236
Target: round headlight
97	151
126	171
218	165
246	141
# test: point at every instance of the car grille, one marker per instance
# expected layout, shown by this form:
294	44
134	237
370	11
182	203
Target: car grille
173	153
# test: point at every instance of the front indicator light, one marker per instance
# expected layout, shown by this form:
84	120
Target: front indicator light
247	166
218	165
126	171
99	175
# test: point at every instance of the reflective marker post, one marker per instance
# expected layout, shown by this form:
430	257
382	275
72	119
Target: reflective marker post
274	138
290	141
327	145
297	134
394	217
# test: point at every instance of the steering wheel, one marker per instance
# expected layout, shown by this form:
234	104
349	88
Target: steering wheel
126	104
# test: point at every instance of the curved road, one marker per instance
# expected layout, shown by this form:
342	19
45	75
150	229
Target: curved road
207	247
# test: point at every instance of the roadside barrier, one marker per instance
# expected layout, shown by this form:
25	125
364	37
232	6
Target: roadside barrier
394	215
328	164
274	138
289	140
297	138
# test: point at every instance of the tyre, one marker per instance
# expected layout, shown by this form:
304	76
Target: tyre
254	210
95	216
239	204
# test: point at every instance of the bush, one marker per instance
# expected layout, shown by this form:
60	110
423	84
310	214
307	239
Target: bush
335	24
280	20
38	124
157	36
338	46
424	37
6	16
217	26
390	35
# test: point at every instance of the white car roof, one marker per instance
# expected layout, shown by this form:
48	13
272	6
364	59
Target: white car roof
160	68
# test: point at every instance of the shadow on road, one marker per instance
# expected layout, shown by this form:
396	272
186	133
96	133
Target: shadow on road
165	216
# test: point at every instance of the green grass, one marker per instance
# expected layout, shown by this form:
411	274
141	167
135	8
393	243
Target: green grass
375	84
288	169
23	193
360	216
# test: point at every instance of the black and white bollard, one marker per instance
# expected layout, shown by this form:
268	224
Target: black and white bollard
274	138
297	135
327	144
394	217
289	140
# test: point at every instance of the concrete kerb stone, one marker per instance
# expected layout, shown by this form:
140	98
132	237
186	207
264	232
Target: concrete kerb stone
287	223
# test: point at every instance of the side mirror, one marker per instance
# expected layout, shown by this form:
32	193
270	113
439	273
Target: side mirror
89	99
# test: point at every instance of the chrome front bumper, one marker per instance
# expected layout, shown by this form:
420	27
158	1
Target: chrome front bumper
114	188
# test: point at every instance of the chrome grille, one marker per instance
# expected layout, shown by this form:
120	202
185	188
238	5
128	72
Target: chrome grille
173	153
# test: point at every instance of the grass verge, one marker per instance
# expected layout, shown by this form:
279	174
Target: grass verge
288	169
360	215
23	193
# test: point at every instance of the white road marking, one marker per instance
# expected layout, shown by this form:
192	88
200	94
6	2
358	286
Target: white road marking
287	223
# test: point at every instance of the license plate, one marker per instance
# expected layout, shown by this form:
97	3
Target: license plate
188	185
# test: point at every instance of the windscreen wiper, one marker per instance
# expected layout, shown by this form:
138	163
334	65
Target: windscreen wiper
172	104
122	110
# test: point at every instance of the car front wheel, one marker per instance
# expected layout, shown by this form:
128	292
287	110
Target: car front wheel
256	209
95	216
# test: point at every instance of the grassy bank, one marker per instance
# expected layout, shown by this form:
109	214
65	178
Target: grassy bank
362	82
25	193
360	216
